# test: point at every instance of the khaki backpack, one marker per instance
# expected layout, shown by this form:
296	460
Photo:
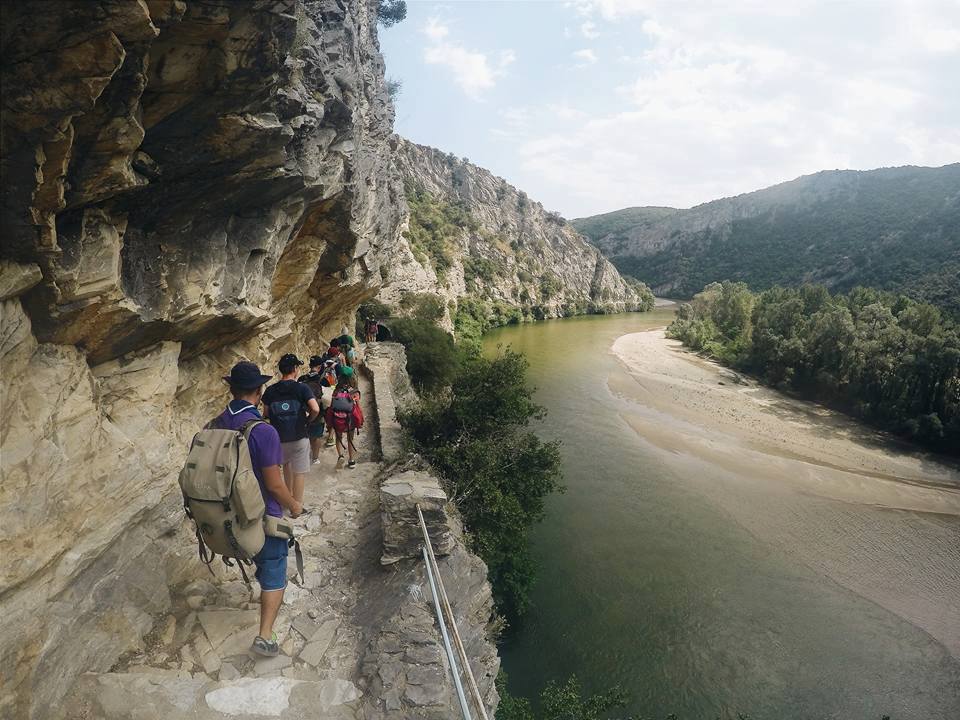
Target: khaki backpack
222	496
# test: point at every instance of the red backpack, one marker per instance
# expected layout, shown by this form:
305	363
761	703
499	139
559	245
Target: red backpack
345	410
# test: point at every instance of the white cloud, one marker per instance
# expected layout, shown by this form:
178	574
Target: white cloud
728	99
435	31
589	30
471	70
585	57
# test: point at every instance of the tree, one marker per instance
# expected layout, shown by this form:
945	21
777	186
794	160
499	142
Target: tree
885	358
432	358
394	86
390	12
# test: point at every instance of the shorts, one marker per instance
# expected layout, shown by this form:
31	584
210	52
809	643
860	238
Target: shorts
271	564
317	429
297	453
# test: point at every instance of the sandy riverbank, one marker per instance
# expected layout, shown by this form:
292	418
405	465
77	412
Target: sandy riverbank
875	516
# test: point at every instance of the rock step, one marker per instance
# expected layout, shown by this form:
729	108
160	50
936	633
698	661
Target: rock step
161	696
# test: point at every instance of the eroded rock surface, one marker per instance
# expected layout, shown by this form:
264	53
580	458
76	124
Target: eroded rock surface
186	183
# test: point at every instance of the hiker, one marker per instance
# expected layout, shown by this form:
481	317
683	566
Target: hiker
246	385
333	353
331	370
372	328
290	407
315	380
345	415
350	354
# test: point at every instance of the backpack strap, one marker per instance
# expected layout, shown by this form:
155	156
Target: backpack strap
299	555
206	555
249	425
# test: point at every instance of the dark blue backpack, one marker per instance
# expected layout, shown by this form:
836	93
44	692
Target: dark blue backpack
286	415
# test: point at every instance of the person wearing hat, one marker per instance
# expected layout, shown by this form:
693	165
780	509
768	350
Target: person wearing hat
290	407
246	385
316	380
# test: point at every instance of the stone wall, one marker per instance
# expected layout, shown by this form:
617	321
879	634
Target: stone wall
404	662
187	183
386	363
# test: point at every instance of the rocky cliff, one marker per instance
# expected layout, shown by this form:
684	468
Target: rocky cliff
186	183
482	245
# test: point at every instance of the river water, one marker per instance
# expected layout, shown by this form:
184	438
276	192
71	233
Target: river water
705	589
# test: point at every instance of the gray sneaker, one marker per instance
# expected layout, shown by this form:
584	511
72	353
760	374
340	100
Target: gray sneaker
268	648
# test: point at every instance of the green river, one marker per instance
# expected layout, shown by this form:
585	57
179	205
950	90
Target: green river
706	592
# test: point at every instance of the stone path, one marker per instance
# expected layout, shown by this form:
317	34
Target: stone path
197	662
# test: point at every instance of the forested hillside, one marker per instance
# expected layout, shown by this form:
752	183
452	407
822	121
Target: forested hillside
895	229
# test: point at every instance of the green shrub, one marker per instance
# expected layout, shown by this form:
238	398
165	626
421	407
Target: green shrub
479	267
549	286
434	225
423	306
558	701
432	356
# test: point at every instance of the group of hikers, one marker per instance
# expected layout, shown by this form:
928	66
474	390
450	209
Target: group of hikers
270	433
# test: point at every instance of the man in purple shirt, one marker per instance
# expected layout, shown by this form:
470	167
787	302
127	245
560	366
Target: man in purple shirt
246	385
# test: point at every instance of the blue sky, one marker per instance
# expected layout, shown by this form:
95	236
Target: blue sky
595	105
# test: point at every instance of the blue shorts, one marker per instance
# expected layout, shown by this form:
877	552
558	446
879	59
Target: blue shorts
317	429
271	564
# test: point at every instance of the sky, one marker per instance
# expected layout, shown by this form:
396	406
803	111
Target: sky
595	105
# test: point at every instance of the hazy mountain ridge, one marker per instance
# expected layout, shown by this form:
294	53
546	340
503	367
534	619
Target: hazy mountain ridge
896	229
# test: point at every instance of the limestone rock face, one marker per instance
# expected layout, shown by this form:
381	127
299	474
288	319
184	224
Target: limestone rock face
186	183
511	251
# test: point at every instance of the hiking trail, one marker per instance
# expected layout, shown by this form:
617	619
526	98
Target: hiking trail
197	661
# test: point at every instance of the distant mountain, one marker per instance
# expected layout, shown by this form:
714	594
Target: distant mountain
896	229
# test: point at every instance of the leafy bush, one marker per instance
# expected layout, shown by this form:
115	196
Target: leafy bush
434	224
423	306
432	357
558	701
549	286
390	12
497	472
645	295
479	267
394	86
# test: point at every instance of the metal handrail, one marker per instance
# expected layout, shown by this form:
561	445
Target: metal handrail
464	708
461	649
